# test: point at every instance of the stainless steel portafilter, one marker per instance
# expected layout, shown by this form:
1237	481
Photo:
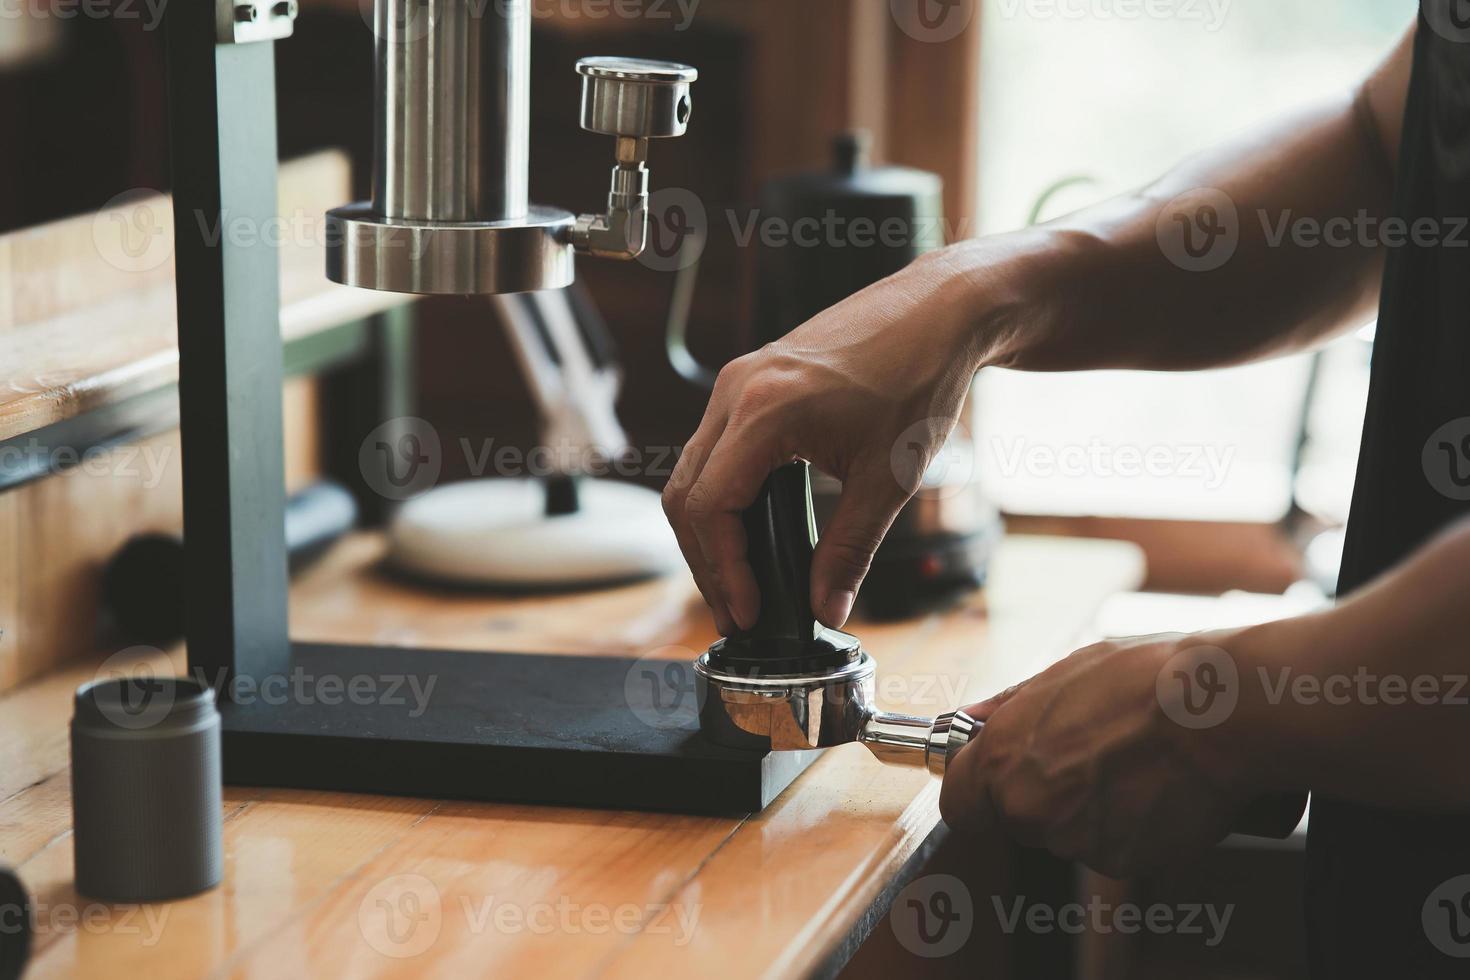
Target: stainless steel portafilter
789	683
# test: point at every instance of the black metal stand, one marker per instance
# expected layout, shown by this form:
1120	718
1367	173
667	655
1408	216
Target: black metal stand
508	727
488	726
222	132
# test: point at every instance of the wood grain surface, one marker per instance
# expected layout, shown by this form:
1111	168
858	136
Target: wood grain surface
320	884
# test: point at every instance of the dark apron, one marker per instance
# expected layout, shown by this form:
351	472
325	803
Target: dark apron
1377	900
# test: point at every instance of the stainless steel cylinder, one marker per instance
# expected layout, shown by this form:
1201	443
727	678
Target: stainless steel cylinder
452	109
449	213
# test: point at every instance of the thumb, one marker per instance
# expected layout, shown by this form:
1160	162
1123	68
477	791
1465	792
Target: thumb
870	500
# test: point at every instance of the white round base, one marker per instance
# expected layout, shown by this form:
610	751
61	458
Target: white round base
496	533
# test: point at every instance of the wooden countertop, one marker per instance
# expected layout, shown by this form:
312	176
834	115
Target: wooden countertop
331	884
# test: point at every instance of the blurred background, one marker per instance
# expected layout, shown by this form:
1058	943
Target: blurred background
1076	109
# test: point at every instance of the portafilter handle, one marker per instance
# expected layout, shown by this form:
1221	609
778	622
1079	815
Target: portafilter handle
911	740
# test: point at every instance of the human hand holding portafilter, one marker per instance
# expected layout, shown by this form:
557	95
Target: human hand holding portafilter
789	683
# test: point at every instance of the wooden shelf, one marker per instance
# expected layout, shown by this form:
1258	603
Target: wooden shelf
84	325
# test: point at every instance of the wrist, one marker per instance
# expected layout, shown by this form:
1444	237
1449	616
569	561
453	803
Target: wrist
1262	736
1003	293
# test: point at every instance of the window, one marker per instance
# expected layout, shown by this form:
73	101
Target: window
1089	98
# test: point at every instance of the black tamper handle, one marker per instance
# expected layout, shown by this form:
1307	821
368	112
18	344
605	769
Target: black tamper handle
780	535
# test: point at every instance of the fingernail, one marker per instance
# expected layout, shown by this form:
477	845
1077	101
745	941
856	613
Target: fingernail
838	607
722	621
745	617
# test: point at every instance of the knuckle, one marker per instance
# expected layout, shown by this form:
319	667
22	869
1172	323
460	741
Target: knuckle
700	504
757	395
671	499
724	380
853	549
729	376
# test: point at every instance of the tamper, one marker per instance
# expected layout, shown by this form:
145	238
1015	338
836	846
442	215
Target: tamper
790	683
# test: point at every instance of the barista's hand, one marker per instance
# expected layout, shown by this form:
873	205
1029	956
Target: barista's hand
1088	761
866	391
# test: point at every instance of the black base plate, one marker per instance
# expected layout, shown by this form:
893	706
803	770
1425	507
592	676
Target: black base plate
604	732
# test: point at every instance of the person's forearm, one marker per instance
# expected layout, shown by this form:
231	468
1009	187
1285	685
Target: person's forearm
1106	288
1370	700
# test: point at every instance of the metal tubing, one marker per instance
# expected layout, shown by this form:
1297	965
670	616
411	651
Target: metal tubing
452	109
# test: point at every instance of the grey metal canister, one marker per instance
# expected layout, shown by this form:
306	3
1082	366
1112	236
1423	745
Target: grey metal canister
146	789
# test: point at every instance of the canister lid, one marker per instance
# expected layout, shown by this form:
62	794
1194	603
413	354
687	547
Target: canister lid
139	704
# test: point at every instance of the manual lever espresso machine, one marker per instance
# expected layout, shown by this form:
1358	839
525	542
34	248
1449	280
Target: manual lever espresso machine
449	214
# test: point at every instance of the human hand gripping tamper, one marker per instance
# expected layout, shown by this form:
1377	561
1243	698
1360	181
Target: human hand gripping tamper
790	683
